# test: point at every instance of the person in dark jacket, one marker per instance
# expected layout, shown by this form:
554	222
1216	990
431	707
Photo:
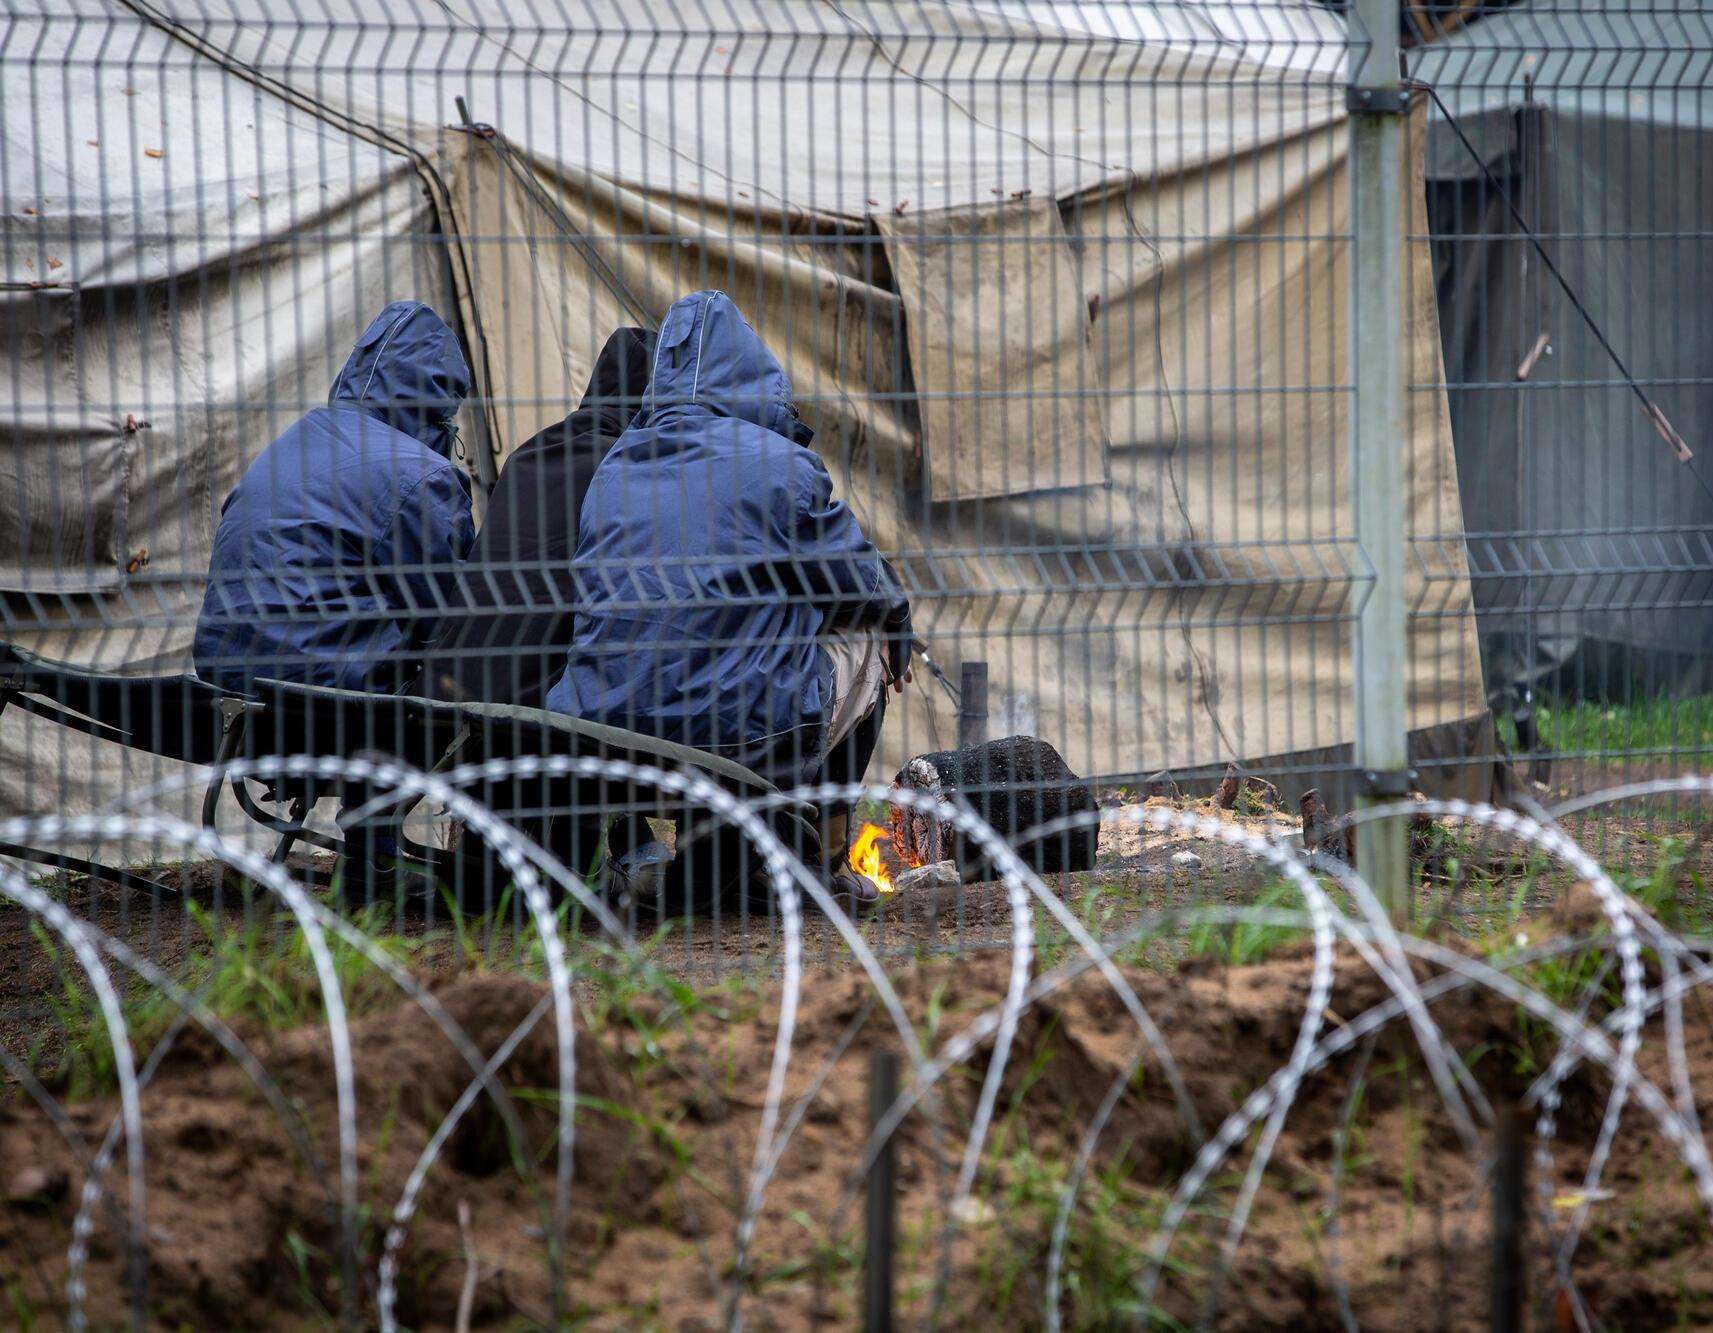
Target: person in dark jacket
507	642
713	560
334	552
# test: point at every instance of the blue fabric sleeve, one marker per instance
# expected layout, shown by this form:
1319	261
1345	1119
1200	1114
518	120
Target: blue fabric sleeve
432	534
835	565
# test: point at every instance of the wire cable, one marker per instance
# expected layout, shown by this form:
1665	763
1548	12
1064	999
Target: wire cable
1656	418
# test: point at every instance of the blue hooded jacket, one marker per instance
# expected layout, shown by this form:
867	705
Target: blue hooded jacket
711	552
337	548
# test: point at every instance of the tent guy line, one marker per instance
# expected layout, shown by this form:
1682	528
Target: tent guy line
1650	408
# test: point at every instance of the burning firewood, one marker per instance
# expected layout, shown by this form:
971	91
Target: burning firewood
865	857
1015	784
873	859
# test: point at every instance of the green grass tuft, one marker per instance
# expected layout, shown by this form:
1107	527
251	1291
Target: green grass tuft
1656	725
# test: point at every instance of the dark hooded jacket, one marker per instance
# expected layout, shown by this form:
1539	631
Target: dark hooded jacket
686	627
507	644
335	550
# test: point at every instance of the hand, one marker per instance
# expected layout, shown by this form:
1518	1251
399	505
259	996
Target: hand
897	663
896	637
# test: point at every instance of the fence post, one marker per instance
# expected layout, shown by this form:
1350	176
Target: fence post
1377	124
882	1200
1510	1219
972	706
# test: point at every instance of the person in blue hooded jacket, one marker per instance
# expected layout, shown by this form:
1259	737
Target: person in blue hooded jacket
727	600
340	543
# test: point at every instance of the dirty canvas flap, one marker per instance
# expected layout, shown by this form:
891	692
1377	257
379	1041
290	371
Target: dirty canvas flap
63	525
998	332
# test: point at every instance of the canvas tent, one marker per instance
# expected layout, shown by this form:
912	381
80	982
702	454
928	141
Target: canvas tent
184	261
1063	297
1592	544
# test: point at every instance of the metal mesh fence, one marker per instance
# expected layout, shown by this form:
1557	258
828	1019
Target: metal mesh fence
1567	201
369	401
553	560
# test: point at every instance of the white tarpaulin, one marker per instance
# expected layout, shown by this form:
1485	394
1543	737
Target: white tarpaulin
184	263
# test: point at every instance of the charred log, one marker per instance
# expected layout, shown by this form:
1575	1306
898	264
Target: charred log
1016	784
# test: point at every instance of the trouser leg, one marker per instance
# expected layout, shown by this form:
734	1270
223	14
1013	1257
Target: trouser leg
853	726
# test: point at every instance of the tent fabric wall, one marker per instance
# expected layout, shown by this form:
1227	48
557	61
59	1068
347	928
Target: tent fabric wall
1583	522
998	332
1585	531
184	264
804	108
1191	611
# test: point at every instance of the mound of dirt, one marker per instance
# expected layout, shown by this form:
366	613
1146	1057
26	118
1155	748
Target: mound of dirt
669	1114
240	1224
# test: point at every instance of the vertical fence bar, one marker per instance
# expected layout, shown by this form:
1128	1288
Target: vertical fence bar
1377	432
882	1201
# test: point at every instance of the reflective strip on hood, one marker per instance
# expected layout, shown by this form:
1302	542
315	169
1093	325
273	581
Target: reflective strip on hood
707	356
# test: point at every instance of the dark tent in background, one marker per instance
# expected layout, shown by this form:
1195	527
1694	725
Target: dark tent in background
1590	541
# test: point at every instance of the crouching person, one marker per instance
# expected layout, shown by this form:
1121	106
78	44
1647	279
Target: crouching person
728	601
506	643
338	547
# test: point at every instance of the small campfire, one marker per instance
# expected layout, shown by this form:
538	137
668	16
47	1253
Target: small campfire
865	857
1014	784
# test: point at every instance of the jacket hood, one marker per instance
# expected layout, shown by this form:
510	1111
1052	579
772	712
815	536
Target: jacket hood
707	356
620	379
407	371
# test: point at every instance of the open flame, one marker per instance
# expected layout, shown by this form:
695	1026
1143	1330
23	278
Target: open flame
865	856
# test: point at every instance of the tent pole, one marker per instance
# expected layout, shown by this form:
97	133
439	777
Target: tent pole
1377	126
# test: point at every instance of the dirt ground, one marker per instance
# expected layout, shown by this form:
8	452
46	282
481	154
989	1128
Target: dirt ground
1135	874
1371	1197
240	1228
1143	873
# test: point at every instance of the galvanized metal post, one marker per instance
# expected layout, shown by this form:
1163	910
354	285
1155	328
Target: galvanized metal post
1377	433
